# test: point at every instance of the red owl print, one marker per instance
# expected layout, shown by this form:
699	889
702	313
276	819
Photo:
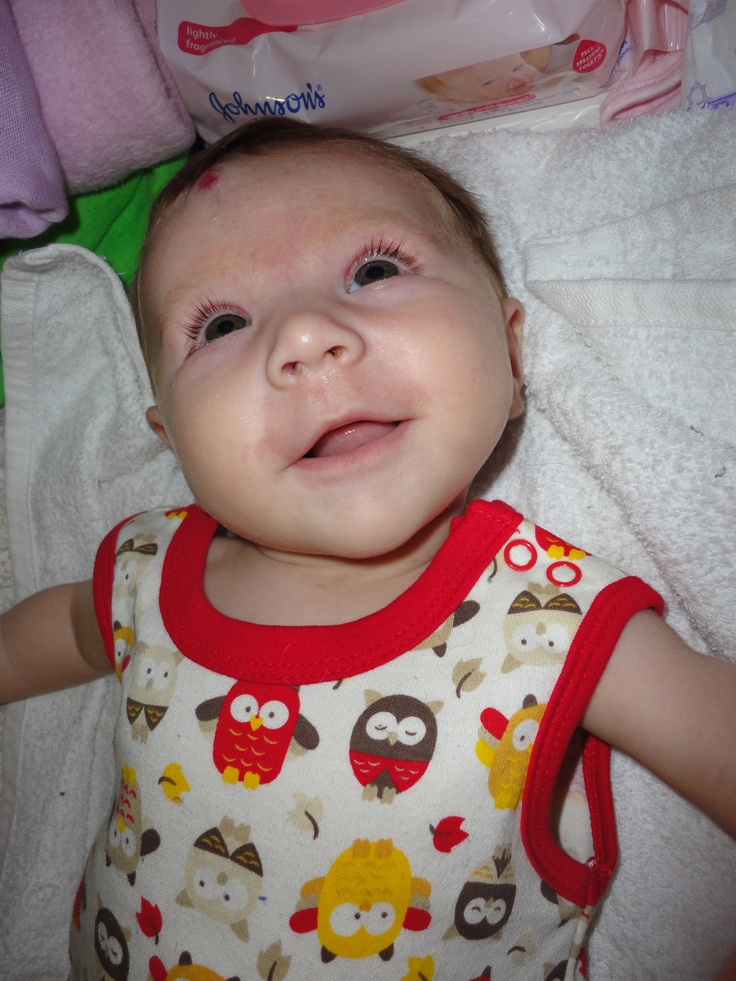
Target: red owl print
255	726
392	744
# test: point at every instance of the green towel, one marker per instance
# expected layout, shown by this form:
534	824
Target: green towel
110	222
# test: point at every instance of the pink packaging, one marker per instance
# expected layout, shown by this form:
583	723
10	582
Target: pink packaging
385	66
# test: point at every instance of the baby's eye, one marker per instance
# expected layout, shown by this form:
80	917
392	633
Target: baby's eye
222	325
212	321
373	271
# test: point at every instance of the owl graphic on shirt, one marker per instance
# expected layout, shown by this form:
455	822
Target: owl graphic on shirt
255	726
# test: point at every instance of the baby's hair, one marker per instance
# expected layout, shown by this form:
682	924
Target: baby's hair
278	135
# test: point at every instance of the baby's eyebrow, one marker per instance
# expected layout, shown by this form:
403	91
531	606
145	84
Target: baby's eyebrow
397	226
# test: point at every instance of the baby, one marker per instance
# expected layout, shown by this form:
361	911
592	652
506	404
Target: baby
364	723
502	78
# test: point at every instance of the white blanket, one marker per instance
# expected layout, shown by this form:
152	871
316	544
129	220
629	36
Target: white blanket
621	244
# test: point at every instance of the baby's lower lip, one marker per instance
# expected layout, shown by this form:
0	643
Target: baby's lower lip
349	438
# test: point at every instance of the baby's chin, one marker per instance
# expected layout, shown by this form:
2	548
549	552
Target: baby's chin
370	547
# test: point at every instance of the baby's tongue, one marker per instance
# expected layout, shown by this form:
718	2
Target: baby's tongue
346	439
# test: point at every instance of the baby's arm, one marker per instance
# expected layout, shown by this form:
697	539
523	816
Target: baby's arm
674	711
50	640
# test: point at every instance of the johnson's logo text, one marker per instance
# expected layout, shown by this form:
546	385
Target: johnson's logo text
312	97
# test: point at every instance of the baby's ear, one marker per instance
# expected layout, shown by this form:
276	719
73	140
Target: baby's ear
513	313
153	416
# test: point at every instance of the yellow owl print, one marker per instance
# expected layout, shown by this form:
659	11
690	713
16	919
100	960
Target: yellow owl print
367	898
505	747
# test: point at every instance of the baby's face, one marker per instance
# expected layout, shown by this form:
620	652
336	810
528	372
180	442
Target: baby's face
488	81
332	367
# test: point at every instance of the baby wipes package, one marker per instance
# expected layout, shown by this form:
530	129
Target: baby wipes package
709	69
387	67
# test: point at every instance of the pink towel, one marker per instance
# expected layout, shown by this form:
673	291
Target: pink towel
658	31
31	189
107	98
654	87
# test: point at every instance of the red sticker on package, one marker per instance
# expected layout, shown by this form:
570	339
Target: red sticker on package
589	55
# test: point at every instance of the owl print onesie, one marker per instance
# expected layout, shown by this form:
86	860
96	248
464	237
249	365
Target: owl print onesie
402	797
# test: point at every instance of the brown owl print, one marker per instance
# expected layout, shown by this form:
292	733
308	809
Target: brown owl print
392	744
485	902
111	947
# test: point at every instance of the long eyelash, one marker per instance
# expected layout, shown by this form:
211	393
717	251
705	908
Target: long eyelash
390	250
202	313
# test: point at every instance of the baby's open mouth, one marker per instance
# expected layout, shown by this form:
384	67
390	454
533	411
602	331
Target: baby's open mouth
350	437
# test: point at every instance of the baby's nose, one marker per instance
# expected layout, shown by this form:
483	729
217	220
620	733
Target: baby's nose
311	341
311	355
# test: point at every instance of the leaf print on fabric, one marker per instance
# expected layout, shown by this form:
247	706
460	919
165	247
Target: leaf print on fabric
420	969
448	833
173	782
272	964
466	675
307	814
149	919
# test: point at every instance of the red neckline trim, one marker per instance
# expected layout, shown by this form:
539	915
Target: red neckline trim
311	654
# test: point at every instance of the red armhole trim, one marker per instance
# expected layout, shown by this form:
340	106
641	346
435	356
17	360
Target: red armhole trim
579	882
102	581
597	774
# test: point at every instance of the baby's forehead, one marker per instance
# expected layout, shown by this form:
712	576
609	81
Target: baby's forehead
260	194
277	187
281	163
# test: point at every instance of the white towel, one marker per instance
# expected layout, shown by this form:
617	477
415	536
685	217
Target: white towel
626	450
655	369
79	458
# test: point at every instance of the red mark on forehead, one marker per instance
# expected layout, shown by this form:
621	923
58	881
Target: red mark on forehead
208	179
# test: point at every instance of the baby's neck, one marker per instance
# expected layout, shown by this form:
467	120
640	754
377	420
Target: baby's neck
246	582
